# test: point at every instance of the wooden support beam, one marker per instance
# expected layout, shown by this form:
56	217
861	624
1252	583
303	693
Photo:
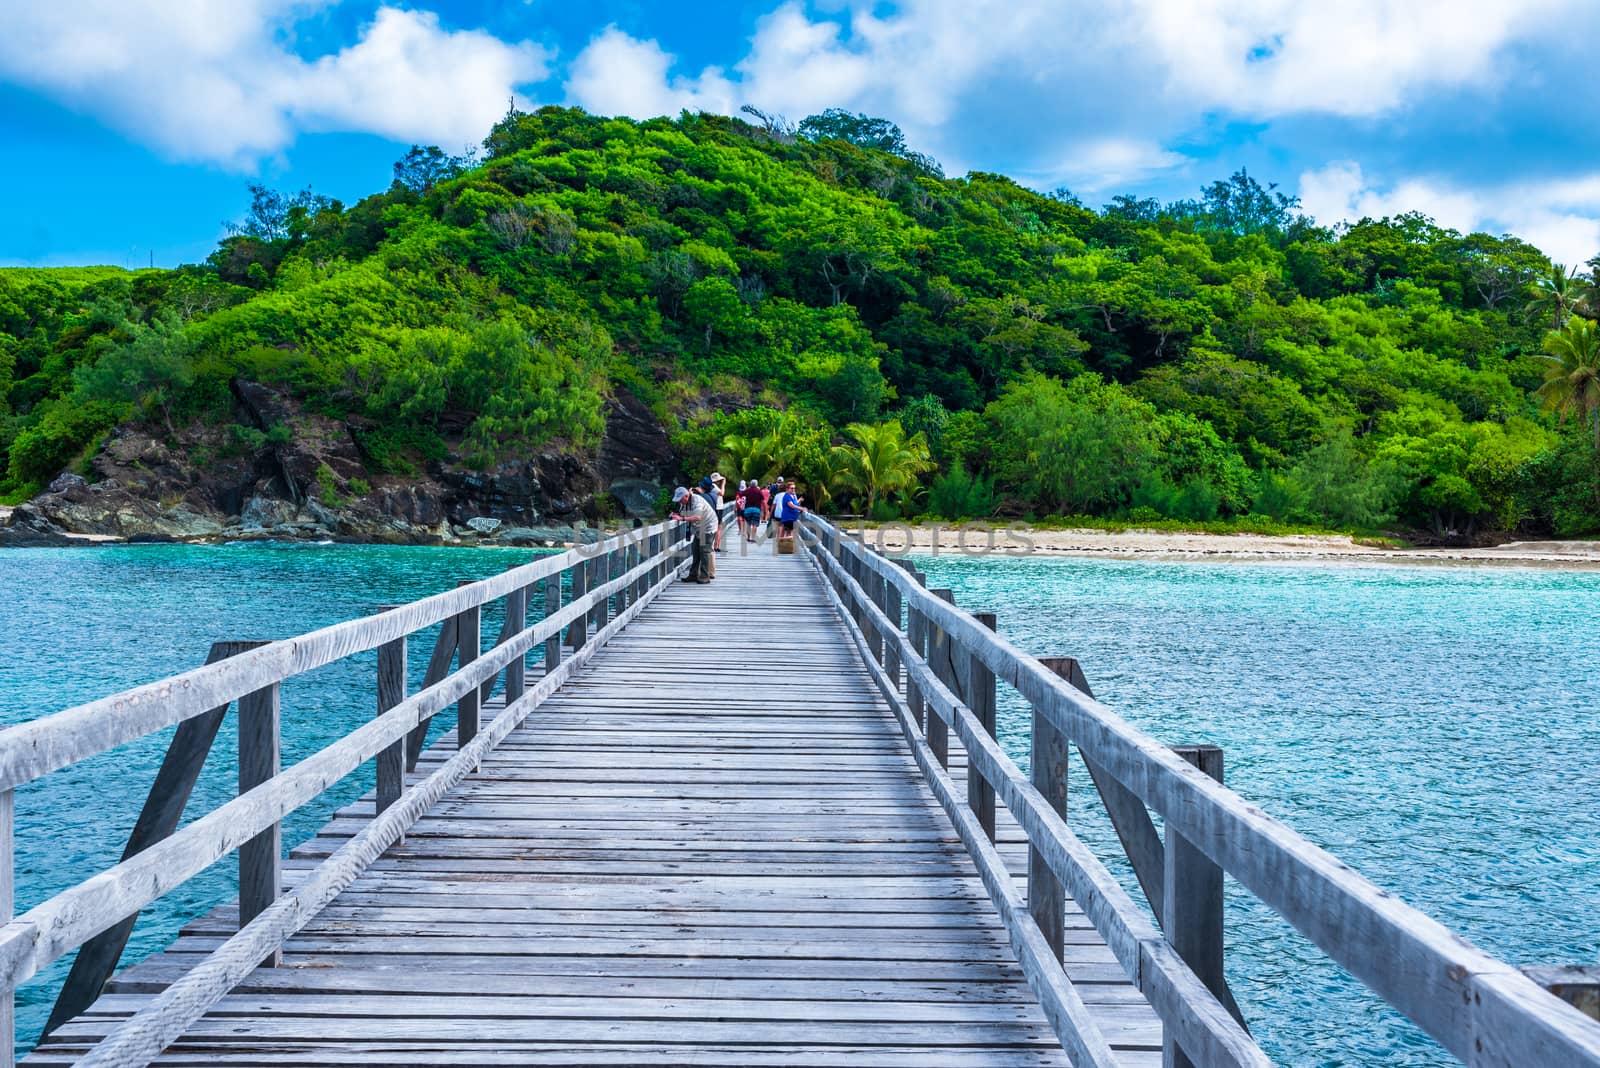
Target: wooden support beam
261	858
516	622
469	646
893	607
578	632
939	653
8	904
1192	896
98	958
1129	816
444	653
978	694
552	605
1047	770
391	771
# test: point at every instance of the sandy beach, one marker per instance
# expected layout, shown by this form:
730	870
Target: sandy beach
1134	544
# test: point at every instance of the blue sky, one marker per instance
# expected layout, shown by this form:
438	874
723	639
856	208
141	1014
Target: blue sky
131	127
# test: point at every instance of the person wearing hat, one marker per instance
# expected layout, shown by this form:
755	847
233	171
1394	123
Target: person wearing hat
696	509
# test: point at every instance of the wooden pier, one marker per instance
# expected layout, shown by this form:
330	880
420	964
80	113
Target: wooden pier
760	822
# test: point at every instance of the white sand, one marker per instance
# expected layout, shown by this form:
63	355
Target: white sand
1245	548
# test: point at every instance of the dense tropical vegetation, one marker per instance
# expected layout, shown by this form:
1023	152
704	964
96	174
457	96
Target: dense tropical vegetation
820	300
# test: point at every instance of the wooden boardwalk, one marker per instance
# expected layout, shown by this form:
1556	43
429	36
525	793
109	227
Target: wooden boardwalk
712	847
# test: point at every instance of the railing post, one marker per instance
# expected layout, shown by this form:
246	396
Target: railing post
598	573
578	631
1192	895
892	607
8	905
939	653
469	645
979	696
872	583
1047	769
552	605
516	623
261	858
163	808
916	632
391	691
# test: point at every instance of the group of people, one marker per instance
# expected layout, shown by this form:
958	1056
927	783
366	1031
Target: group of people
777	506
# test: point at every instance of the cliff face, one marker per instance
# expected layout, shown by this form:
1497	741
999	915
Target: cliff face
309	479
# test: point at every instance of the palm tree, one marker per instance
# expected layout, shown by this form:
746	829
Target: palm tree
883	459
1572	377
748	456
1558	291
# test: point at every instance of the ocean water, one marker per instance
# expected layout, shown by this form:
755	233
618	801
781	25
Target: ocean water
1436	728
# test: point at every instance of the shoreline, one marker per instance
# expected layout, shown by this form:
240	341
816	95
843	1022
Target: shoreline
976	541
1157	546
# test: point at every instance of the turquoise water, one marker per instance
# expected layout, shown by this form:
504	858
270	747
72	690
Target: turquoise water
1434	727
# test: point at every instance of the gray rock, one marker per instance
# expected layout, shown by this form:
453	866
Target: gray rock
260	513
637	496
181	522
66	480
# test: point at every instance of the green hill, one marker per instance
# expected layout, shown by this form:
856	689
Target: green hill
760	290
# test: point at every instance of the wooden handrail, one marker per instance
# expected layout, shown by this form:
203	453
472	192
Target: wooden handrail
63	922
40	746
1481	1009
1199	1021
142	1037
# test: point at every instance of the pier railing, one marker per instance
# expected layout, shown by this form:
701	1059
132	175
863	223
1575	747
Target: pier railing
938	666
588	594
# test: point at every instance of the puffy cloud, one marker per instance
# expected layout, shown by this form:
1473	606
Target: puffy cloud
1263	58
620	75
1559	216
1054	89
199	80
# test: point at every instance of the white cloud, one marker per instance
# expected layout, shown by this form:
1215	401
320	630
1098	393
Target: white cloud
1073	79
1351	58
620	75
1109	163
1560	216
198	80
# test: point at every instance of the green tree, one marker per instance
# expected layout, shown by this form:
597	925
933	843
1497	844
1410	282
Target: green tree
1556	293
1572	373
1077	447
152	369
882	460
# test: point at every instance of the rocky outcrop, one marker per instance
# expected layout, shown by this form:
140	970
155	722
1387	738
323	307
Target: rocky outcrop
281	471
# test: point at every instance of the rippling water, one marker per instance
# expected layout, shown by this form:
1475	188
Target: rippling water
1435	728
